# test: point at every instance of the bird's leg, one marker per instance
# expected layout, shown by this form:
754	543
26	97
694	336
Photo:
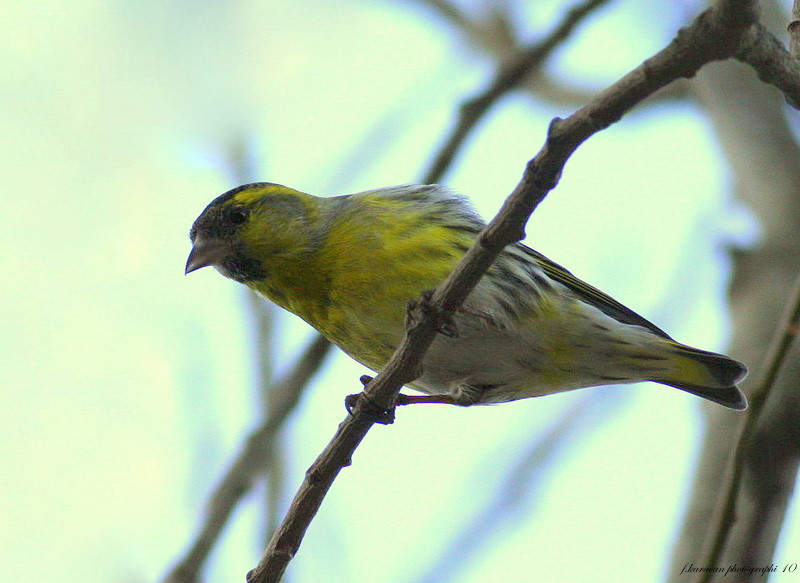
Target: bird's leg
403	399
463	396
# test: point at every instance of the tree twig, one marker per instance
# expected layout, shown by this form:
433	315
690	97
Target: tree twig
483	35
262	317
509	77
451	13
725	513
491	30
710	37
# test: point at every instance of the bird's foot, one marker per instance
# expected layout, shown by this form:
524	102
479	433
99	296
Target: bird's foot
418	310
361	404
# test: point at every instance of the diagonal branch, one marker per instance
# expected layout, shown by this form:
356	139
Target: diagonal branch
492	37
725	514
708	38
454	15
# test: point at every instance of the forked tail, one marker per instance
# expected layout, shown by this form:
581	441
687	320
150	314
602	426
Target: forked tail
708	375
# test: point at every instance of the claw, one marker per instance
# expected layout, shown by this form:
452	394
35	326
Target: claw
443	319
350	402
368	408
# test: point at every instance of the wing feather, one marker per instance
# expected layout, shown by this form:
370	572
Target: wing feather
590	294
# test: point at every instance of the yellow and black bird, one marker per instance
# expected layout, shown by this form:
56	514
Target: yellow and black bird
349	264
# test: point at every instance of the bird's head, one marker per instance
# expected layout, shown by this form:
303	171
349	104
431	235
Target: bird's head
247	230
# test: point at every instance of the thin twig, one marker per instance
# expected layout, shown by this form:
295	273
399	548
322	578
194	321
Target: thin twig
451	13
725	513
262	316
509	77
703	41
539	84
490	29
250	462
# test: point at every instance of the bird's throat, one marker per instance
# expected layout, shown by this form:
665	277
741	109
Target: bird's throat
298	287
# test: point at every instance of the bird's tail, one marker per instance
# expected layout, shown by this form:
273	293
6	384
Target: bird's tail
708	375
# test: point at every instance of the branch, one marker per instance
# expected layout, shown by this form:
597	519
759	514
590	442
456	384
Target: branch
725	514
262	315
494	36
509	77
772	62
550	89
491	30
451	13
705	40
250	462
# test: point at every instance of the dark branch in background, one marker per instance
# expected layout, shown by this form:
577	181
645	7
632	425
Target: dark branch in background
495	37
725	514
509	77
451	13
262	317
714	35
249	464
491	30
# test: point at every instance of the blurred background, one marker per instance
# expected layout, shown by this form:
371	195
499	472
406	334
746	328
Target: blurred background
128	388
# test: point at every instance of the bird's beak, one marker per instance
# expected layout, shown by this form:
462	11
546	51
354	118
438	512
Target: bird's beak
205	251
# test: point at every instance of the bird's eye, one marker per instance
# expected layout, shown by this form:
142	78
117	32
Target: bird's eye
236	216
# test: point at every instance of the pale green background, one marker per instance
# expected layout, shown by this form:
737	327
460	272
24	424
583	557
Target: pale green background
126	386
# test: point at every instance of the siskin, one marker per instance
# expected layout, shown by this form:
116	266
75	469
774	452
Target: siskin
348	265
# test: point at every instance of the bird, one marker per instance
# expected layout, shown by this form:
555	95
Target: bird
348	265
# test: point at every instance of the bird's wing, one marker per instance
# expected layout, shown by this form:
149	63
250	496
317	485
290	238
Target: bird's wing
590	294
